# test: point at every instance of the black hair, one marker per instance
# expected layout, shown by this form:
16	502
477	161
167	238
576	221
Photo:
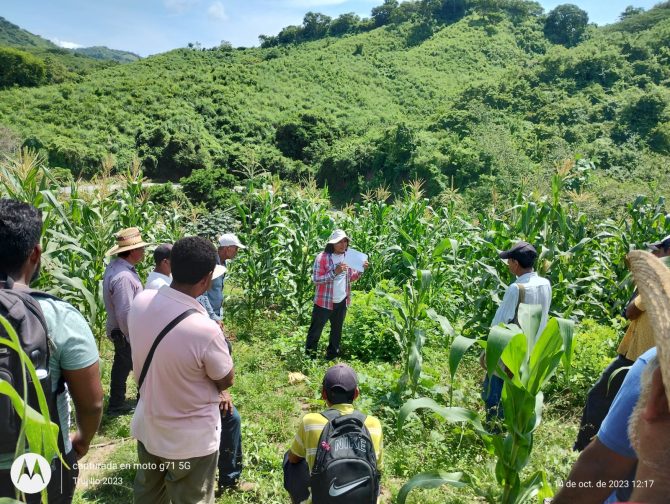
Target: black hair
192	258
125	253
20	231
525	259
336	395
330	247
161	253
665	245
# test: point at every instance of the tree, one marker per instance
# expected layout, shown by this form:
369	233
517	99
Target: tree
630	11
345	23
315	25
382	13
566	24
20	68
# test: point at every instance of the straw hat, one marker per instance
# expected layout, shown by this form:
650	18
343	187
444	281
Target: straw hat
652	278
127	239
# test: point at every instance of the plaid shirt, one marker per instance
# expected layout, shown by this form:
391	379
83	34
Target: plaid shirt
323	275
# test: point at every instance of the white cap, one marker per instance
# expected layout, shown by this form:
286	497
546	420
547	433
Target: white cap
229	239
338	235
219	270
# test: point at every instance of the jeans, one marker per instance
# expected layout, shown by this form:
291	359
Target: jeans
599	400
492	394
319	318
230	449
296	479
121	368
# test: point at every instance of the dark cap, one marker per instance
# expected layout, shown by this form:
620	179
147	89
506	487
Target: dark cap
340	377
521	249
163	251
661	244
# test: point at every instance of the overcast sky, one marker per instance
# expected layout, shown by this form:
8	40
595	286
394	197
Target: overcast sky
152	26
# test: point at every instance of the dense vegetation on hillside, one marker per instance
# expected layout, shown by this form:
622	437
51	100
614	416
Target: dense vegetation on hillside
25	54
482	103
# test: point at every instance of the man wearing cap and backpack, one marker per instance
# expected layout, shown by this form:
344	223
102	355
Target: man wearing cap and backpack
336	455
332	278
61	346
528	288
120	285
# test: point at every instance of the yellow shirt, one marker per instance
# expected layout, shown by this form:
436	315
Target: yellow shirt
309	431
639	337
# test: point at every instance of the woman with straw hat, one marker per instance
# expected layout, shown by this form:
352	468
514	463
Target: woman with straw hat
332	278
120	285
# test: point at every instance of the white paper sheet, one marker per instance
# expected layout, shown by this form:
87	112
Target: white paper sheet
355	259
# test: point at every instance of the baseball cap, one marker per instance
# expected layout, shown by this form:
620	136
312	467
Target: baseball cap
338	235
664	243
219	270
229	239
519	250
340	377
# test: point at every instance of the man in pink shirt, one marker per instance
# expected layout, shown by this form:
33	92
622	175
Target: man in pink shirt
177	422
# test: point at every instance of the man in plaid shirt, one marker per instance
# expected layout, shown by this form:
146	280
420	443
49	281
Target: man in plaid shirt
333	280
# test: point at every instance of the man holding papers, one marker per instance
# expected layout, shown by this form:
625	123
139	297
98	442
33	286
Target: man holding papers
334	270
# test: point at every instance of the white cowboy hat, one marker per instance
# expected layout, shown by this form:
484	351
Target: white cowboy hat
338	235
127	239
652	278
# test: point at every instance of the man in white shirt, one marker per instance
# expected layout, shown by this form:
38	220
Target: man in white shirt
528	288
162	273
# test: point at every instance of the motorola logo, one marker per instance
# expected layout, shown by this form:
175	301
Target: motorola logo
31	473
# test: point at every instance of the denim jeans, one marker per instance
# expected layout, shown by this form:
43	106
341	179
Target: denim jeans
230	449
492	394
296	479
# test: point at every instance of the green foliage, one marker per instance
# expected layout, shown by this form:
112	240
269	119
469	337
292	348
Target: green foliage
19	68
107	54
213	187
367	335
566	25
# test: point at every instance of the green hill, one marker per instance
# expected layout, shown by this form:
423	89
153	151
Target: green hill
485	102
106	54
14	36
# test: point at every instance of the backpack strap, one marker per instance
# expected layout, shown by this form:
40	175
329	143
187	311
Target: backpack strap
331	414
159	338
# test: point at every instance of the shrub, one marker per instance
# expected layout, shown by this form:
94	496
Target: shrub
20	68
366	333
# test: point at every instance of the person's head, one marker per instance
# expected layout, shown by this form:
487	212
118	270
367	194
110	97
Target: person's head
340	385
162	258
661	248
520	258
338	243
229	245
20	232
649	426
193	261
129	245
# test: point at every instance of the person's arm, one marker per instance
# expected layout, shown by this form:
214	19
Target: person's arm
293	458
507	309
225	382
597	464
87	395
635	308
321	273
123	293
204	301
297	453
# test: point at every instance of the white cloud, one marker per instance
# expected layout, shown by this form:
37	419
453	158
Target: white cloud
217	12
65	44
179	6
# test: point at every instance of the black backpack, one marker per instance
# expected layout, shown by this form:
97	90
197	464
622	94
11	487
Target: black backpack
345	468
21	308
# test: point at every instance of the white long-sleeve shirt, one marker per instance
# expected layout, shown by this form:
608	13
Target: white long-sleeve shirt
537	290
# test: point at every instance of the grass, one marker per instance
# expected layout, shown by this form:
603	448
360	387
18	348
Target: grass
270	407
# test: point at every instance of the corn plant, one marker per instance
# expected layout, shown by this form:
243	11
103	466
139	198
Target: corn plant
37	431
529	368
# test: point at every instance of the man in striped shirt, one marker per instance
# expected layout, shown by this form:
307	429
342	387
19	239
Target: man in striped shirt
339	390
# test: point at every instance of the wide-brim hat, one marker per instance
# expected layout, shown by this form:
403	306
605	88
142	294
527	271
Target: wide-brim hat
337	236
127	239
652	278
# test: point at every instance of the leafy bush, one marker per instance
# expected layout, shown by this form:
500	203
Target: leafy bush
366	334
20	68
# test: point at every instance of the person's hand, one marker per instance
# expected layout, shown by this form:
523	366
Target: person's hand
225	402
340	268
365	265
79	446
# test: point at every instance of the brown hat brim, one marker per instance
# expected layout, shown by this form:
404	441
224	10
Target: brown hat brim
117	250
